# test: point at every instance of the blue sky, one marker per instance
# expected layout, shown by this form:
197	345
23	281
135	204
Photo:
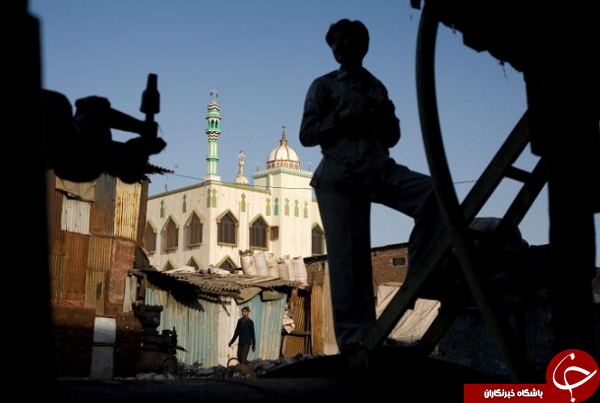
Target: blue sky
261	56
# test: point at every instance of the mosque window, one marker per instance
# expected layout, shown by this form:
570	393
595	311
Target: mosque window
194	230
150	238
170	235
226	230
318	240
258	233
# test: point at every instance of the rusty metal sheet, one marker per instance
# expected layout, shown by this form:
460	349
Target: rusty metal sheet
102	215
56	236
95	285
316	319
57	269
298	342
74	299
75	216
127	209
123	256
100	253
76	261
141	224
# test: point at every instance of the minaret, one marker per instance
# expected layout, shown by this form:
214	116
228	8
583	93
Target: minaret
213	131
241	179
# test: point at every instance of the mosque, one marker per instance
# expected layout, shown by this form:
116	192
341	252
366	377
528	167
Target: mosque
210	222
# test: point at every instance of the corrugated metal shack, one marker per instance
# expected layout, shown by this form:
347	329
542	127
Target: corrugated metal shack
311	309
93	230
204	309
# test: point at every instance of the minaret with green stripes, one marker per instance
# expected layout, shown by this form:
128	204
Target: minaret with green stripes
213	131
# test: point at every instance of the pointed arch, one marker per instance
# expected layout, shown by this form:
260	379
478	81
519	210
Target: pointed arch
227	263
318	240
168	266
170	235
227	225
259	233
150	237
193	230
193	262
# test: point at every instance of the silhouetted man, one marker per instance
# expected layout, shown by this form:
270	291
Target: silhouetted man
245	330
348	113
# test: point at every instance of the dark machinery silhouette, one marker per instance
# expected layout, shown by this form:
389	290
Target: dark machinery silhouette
562	127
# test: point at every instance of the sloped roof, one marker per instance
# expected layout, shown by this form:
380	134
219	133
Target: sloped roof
212	286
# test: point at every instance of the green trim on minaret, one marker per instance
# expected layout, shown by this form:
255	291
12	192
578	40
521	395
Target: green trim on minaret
213	131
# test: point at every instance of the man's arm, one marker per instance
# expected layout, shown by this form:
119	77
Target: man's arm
389	124
235	334
252	335
318	124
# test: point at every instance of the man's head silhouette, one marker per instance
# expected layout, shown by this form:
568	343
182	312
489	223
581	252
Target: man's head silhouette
349	42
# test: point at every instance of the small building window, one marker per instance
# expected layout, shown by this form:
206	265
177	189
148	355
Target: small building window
226	230
168	266
274	234
399	261
150	238
318	239
258	233
194	231
170	235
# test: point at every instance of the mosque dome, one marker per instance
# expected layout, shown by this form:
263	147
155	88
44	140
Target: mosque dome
283	156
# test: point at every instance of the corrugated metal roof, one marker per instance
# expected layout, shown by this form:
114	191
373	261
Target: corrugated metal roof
219	285
127	208
75	216
102	216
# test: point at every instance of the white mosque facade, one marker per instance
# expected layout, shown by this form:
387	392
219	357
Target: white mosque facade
209	223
